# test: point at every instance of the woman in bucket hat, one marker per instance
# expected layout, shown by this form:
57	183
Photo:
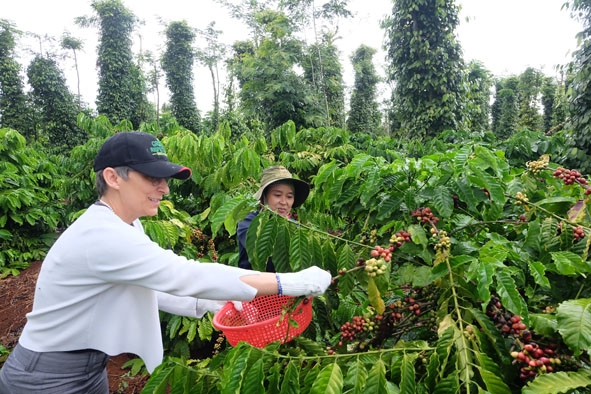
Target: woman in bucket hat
280	192
103	281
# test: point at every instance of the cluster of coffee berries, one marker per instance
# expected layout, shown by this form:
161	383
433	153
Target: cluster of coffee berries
535	360
578	233
217	346
444	242
537	166
369	238
204	244
413	311
569	176
397	239
404	307
469	332
521	198
413	305
397	308
516	327
384	253
197	235
353	329
507	323
548	309
375	267
424	215
211	250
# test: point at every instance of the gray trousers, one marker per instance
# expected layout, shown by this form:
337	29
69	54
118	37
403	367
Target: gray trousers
77	372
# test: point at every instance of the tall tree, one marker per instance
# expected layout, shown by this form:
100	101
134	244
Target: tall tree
115	58
560	101
284	26
74	44
13	101
323	71
153	76
364	115
270	88
311	13
478	107
505	108
579	110
210	57
426	66
529	91
549	101
59	108
231	113
177	63
141	109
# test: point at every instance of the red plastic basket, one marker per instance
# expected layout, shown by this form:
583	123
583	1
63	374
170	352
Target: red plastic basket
264	320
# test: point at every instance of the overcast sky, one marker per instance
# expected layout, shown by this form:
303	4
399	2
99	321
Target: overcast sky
507	36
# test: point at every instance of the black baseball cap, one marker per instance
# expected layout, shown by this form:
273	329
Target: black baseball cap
141	152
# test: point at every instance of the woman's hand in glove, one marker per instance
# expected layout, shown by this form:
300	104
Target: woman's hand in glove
309	282
205	305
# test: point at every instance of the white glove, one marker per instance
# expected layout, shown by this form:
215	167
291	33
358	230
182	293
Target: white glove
309	282
213	306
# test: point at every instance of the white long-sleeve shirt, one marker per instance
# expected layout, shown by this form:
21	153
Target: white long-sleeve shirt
103	281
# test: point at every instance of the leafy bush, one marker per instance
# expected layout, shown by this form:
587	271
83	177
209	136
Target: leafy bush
30	208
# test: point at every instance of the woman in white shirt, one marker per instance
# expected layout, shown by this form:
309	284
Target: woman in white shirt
103	281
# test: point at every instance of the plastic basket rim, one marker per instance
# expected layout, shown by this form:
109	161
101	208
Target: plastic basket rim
217	317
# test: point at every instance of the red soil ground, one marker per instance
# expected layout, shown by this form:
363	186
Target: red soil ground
16	300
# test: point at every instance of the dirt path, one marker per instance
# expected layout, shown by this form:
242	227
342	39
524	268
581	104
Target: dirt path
16	300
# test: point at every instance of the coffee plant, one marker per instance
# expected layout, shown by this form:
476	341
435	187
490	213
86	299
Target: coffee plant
30	207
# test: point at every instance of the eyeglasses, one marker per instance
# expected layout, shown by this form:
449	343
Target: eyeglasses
153	180
156	181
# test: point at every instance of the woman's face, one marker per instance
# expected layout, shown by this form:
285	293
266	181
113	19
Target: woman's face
280	198
142	194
